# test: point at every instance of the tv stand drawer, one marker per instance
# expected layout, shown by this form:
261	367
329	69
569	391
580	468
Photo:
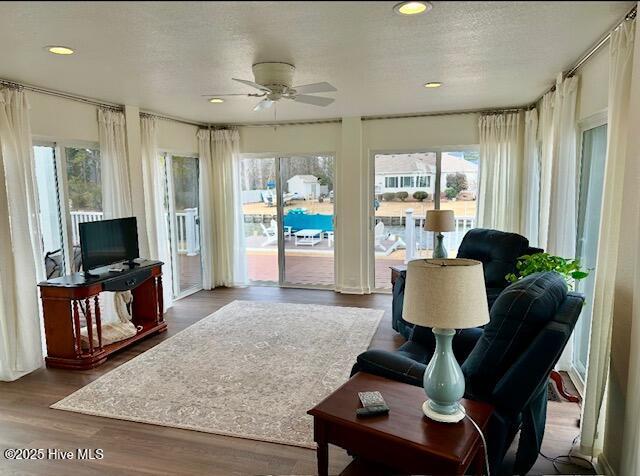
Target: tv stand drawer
128	280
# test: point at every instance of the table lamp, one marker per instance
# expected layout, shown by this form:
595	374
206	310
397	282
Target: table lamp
445	294
439	221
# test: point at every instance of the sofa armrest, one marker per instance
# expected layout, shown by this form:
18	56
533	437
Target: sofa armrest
390	365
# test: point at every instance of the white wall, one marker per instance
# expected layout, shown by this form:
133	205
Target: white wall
58	119
177	137
418	133
593	89
308	138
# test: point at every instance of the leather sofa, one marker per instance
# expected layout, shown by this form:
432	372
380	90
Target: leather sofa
506	364
497	250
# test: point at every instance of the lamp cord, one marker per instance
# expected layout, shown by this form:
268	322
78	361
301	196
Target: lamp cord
484	441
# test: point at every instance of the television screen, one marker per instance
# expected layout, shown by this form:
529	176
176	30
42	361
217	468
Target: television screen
108	241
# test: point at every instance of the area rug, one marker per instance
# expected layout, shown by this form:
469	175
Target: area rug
250	370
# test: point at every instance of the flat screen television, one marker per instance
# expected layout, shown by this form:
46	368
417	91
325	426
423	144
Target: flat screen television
107	242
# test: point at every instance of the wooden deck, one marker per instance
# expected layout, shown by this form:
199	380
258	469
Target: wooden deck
306	268
311	269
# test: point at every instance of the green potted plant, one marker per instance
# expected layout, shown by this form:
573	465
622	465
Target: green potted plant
570	269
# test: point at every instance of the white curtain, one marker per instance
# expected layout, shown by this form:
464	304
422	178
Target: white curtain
564	180
207	215
501	157
222	244
530	179
545	138
116	189
21	265
156	221
620	74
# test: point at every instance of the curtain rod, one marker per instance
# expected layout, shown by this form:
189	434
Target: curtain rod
90	101
630	15
166	117
61	94
309	122
376	118
446	113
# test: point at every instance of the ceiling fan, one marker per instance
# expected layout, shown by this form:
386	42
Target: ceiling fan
275	82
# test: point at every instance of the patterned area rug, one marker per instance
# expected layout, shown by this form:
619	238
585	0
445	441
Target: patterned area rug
251	370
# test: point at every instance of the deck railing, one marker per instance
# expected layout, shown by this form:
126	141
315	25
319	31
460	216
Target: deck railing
452	239
187	228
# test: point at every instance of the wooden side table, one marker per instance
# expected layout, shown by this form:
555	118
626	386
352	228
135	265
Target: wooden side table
404	440
395	273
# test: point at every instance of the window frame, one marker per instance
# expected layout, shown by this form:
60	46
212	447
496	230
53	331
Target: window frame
438	150
168	188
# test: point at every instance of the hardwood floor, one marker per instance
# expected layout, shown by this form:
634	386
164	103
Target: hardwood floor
26	421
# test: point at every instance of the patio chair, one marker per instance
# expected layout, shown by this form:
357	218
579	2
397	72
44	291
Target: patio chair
287	229
380	236
267	198
271	233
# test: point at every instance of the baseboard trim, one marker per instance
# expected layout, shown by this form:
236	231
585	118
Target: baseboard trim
351	290
603	466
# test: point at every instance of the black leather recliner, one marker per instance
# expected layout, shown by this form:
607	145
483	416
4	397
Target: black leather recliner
497	250
506	364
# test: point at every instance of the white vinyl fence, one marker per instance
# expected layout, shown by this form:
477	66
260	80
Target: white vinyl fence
187	233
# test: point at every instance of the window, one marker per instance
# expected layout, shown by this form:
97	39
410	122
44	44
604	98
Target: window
391	182
592	169
408	182
181	200
84	193
398	233
423	181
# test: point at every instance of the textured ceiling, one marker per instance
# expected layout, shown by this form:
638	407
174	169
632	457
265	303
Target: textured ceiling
164	56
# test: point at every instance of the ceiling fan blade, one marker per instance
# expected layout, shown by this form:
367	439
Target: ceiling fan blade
253	85
315	88
264	104
315	100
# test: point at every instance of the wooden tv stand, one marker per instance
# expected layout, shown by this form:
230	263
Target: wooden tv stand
66	299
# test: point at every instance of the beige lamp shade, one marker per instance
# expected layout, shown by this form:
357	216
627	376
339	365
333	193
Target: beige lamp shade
445	293
440	220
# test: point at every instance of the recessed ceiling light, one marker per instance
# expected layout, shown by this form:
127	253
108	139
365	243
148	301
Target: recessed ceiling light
412	8
60	50
433	84
216	100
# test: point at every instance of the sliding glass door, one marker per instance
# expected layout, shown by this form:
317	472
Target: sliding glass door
51	223
592	168
287	207
69	193
406	186
459	179
181	198
306	207
260	216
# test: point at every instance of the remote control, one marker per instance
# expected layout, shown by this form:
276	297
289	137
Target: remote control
371	398
372	410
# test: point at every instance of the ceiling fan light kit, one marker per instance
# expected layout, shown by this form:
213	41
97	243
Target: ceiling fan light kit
274	81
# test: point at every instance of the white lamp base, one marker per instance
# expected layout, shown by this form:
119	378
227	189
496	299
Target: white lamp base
442	417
